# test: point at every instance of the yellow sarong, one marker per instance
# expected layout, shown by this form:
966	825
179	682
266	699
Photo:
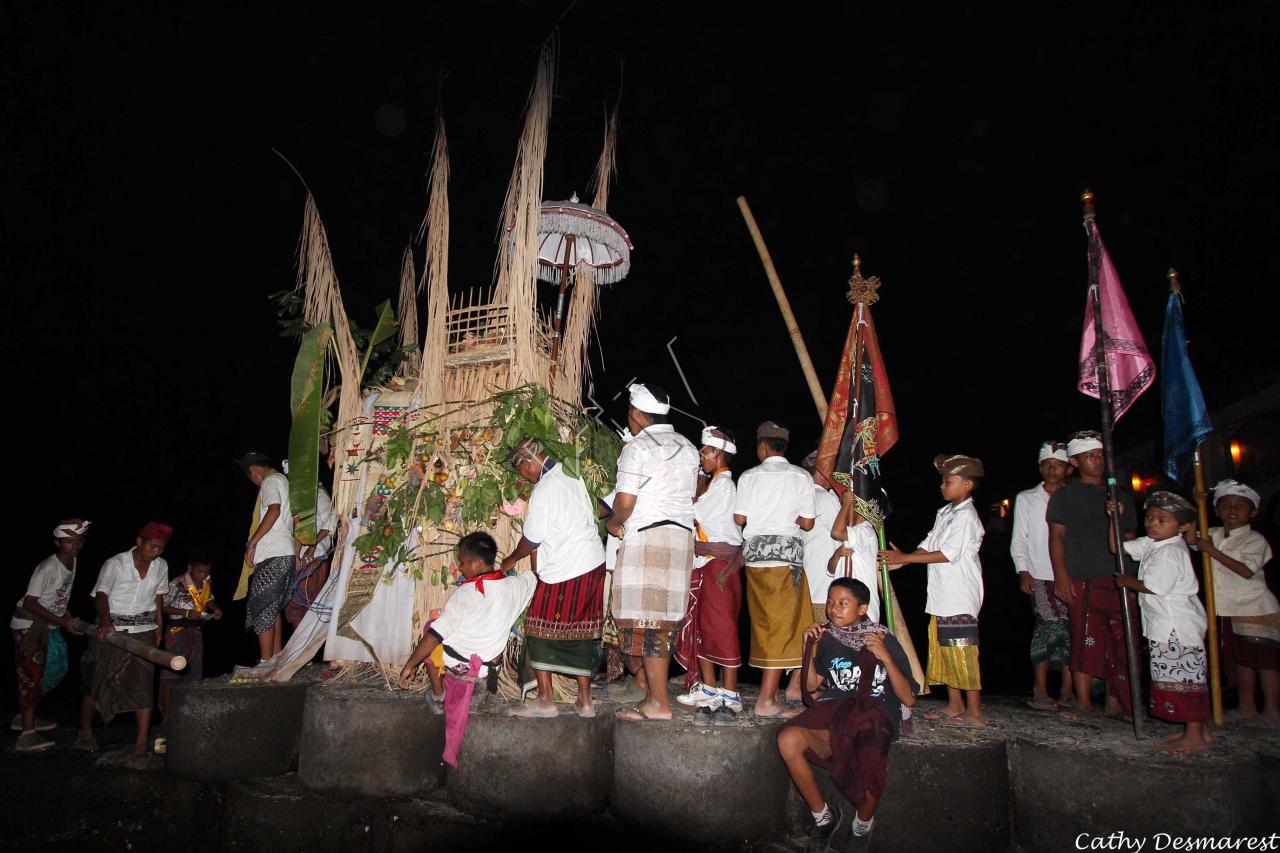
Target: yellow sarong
954	666
780	612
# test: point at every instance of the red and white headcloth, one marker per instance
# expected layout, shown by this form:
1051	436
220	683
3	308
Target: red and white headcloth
710	439
70	527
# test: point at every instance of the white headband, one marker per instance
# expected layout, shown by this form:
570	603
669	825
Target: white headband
1077	446
711	440
1235	487
66	531
643	400
1048	450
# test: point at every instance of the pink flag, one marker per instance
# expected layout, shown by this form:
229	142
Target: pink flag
1130	367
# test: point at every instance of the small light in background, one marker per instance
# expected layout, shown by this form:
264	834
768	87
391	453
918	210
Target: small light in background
1236	452
1136	482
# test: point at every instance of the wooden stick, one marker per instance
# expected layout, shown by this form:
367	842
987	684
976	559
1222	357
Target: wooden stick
1211	610
177	663
797	340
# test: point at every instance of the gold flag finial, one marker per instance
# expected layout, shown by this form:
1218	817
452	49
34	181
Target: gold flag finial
1174	284
861	289
1089	212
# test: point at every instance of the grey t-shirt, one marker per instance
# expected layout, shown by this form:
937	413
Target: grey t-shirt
1082	509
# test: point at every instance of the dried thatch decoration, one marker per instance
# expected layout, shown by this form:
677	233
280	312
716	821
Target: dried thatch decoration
316	277
517	266
408	303
436	273
582	307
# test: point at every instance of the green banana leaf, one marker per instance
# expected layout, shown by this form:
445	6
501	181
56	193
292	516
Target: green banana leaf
382	330
306	399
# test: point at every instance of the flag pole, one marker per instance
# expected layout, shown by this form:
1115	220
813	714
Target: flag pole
784	305
1210	605
1108	451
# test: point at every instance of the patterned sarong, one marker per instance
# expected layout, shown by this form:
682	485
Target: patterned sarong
710	628
1097	636
953	652
564	622
1051	639
268	589
651	580
117	680
30	669
780	612
1179	691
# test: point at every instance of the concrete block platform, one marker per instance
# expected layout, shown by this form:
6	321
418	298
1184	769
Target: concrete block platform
367	741
220	730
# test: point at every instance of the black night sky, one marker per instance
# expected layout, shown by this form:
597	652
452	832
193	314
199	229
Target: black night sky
146	220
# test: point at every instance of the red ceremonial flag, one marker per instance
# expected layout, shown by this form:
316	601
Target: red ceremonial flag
1130	367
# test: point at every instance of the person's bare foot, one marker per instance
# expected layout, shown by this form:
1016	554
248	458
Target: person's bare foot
645	711
1183	744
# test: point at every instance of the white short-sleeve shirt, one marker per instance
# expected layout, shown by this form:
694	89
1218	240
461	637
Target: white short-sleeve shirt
864	541
562	523
127	593
818	544
50	584
772	496
955	587
1030	545
1234	595
1164	567
475	623
278	542
326	519
660	467
713	511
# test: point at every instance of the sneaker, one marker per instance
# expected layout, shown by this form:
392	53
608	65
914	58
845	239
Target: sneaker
698	696
41	725
731	701
706	716
32	742
858	843
820	837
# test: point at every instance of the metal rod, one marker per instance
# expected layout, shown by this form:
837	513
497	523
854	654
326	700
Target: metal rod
797	340
564	286
1210	606
1108	451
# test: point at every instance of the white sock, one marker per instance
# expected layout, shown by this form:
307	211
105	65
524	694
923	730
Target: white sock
862	827
823	817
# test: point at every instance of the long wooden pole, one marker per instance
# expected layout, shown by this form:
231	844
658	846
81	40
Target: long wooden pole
177	663
797	340
1108	451
1211	610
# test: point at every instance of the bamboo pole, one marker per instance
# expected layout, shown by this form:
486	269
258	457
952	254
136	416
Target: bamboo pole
797	340
177	663
1211	610
1108	451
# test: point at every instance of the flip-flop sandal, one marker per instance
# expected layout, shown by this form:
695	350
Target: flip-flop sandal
587	712
1043	704
1067	703
939	716
958	722
86	744
641	716
782	714
527	710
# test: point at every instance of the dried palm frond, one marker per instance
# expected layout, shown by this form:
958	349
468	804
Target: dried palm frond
316	277
435	272
408	301
517	263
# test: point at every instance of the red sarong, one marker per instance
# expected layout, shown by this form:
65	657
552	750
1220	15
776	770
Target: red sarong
1097	636
30	669
710	628
569	610
1255	654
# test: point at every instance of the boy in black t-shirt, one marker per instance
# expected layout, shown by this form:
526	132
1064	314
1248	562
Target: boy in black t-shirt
856	678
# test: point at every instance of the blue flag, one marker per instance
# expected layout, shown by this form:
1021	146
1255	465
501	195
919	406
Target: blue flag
1186	419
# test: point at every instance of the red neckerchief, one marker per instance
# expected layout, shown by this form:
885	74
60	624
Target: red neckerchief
479	580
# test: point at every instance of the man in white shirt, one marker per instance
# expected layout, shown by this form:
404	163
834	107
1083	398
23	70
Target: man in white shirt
709	635
566	616
270	550
774	507
35	630
129	599
1051	639
653	515
818	548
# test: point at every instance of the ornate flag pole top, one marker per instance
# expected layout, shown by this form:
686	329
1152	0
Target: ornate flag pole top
1174	284
863	290
1089	213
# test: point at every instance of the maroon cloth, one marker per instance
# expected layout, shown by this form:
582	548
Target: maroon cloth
858	730
710	627
311	577
1250	653
1189	703
30	671
1097	636
155	530
569	610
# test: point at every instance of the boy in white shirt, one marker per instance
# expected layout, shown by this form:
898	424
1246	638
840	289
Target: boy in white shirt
1051	639
955	591
270	550
46	599
1250	612
1173	620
